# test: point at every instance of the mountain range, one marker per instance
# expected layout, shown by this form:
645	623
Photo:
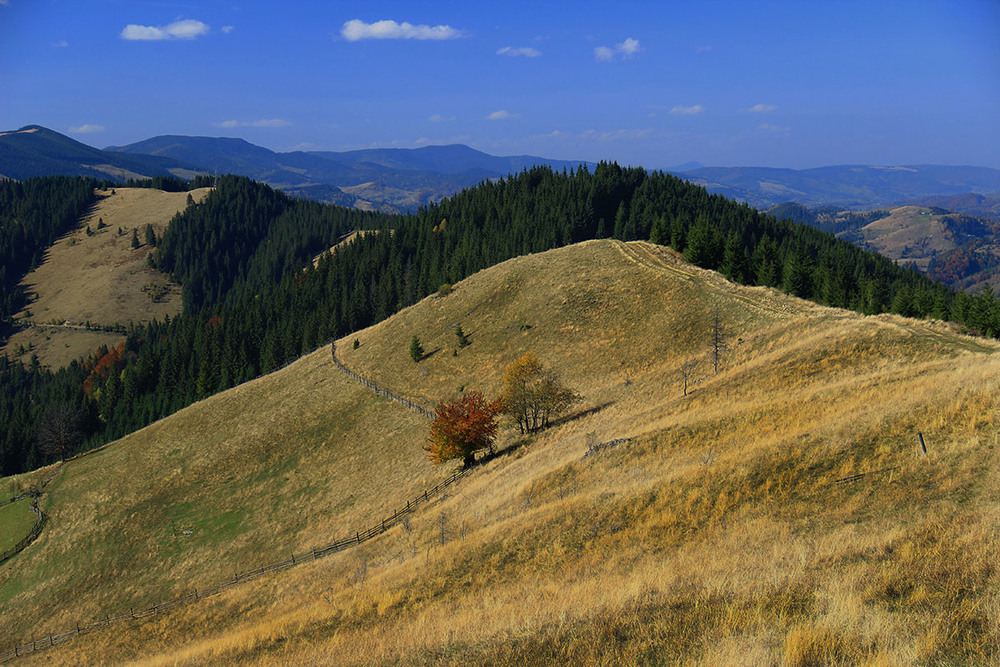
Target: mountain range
389	179
396	179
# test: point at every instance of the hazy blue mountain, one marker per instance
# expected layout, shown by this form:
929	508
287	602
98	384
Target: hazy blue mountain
449	159
382	178
399	179
970	203
849	186
37	151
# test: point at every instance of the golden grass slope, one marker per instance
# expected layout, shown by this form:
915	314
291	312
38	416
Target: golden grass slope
100	278
719	534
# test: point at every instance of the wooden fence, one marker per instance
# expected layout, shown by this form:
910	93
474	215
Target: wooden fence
36	530
359	537
133	614
381	391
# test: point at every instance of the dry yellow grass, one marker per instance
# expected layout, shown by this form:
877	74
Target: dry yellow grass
912	234
719	535
99	278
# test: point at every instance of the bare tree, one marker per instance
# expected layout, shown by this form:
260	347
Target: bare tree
717	342
59	429
687	370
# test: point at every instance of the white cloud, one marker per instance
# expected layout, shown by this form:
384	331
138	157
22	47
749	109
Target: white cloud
4	2
762	108
772	129
604	54
614	135
502	115
264	122
86	128
355	30
185	29
61	44
226	29
519	51
687	111
438	118
629	47
626	49
704	49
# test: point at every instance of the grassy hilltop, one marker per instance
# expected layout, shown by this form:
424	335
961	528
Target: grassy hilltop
721	533
99	278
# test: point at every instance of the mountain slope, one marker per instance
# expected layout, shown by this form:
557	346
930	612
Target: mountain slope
954	248
36	151
98	279
719	531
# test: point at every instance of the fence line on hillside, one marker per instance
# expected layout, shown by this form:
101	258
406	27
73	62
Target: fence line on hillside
35	493
359	537
381	391
32	535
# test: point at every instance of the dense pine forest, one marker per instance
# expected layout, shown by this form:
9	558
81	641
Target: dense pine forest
254	300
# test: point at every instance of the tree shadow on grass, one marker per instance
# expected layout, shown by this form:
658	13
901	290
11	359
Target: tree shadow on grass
429	354
580	414
525	439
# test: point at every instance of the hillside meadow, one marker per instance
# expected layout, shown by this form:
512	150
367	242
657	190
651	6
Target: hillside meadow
99	278
780	513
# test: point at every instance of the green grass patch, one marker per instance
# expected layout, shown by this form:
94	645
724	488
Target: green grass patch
16	521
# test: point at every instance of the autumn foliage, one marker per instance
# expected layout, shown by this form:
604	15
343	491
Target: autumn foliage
533	394
103	363
462	427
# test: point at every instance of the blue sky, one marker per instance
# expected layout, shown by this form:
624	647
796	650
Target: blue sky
771	83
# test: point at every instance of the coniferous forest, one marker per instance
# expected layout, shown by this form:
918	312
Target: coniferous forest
254	300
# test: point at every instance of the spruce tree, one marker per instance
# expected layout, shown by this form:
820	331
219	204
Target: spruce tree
416	350
463	340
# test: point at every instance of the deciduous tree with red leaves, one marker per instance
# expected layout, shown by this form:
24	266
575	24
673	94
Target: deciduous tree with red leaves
463	426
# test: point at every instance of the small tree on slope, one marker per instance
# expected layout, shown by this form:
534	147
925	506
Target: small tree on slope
416	349
533	394
463	426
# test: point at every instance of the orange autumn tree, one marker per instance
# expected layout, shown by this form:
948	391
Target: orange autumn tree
463	426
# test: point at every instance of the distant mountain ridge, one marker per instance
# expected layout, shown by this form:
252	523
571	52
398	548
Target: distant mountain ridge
848	186
401	179
391	179
37	151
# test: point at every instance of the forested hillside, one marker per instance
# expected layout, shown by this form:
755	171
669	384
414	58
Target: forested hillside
33	214
254	300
